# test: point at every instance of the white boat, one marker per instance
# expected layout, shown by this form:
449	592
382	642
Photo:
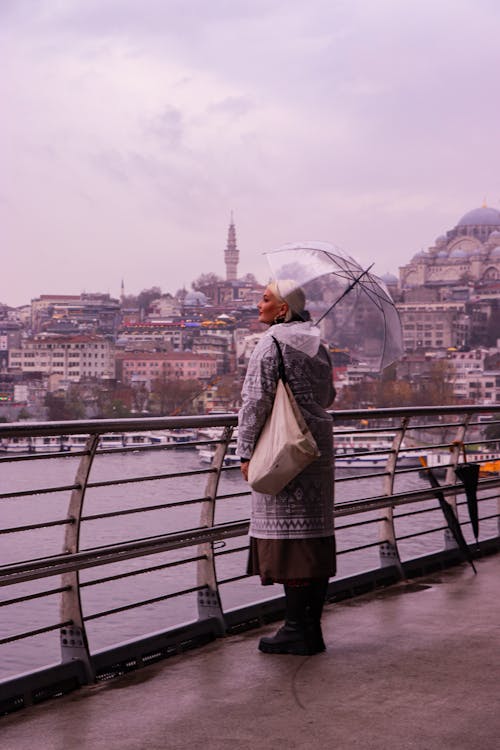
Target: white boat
111	440
354	450
206	454
141	439
181	437
17	445
35	444
48	444
439	461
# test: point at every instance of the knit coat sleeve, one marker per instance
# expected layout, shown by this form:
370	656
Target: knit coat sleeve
257	395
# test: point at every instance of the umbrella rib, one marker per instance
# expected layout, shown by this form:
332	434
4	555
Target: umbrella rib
346	291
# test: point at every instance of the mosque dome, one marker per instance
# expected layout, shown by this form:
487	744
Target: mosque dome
389	279
442	254
495	235
421	255
484	216
495	253
440	241
195	299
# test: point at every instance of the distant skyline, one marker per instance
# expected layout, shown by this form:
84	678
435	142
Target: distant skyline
132	128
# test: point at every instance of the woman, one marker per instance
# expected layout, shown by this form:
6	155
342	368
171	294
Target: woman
292	534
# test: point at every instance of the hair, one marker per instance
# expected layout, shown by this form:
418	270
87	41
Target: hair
287	290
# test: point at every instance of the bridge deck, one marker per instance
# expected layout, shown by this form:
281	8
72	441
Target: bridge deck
413	666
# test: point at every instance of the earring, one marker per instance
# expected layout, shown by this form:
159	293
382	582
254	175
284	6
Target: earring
279	319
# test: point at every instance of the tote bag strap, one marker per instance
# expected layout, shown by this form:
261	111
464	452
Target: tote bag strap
281	363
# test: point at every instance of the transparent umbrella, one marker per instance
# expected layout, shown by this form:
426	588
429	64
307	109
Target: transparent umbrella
352	306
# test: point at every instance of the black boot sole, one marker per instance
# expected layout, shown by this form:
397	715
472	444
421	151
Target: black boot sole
295	649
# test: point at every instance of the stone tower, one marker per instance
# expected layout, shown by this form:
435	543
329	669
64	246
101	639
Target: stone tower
231	253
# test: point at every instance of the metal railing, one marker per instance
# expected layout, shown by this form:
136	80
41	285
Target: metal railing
397	508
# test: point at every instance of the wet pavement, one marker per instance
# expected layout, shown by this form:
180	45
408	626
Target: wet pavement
413	666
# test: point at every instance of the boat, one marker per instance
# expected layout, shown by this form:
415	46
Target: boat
369	450
181	438
439	462
48	444
206	454
17	445
142	439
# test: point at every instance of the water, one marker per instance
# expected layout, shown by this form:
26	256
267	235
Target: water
42	508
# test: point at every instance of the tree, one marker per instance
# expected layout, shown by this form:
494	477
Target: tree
145	297
173	396
249	278
206	279
61	407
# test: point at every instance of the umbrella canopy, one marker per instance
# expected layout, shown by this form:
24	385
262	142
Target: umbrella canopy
352	306
469	475
449	514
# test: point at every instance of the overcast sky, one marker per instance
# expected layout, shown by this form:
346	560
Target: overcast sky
132	128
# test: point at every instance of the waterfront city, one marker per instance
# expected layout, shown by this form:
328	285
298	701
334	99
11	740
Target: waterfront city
186	351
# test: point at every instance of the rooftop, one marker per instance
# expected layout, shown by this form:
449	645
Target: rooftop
408	667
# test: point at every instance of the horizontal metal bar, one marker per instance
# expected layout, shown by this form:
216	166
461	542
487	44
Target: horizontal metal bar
33	526
12	458
131	573
356	524
39	491
38	595
421	533
153	545
31	633
373	475
102	426
244	548
148	478
404	498
143	603
49	566
144	509
360	546
233	579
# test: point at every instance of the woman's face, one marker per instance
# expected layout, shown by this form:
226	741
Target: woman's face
270	307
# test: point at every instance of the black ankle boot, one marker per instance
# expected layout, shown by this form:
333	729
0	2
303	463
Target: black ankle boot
299	635
290	639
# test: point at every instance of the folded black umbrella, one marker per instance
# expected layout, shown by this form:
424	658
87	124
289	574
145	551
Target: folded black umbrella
469	476
449	514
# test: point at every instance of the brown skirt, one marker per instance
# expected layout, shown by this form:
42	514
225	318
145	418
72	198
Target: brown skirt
278	560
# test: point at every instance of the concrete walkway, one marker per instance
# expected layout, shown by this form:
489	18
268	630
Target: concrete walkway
415	666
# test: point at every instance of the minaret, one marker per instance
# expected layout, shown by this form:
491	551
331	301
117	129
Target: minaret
231	253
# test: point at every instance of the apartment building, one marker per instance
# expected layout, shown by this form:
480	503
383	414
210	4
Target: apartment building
434	326
88	312
70	358
146	367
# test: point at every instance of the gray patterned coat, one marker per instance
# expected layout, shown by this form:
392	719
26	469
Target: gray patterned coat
304	508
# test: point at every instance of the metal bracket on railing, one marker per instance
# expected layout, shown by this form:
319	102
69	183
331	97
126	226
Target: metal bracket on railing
74	642
209	602
388	550
450	478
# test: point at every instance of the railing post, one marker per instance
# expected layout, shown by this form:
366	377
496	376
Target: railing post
74	643
388	550
209	602
450	477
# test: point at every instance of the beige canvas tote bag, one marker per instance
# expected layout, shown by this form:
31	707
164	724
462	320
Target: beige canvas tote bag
285	445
